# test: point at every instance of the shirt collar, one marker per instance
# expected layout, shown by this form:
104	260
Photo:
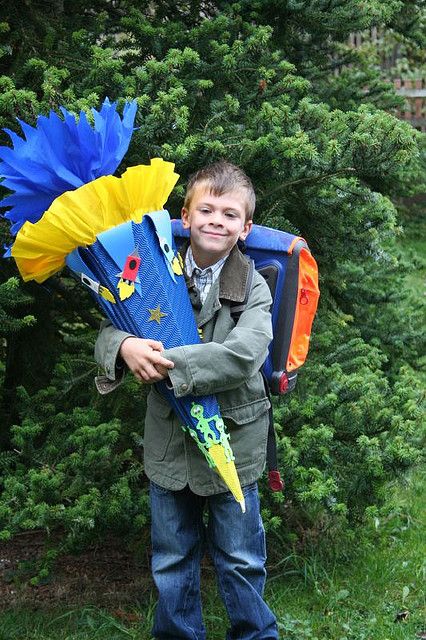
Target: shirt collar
191	266
234	275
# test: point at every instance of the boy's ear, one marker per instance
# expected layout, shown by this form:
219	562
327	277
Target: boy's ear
246	230
184	214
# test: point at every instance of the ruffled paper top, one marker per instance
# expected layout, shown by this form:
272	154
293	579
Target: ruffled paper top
76	217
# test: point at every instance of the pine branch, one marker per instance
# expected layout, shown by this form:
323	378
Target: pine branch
311	180
64	292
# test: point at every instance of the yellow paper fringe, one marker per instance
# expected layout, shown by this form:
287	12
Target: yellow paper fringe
75	218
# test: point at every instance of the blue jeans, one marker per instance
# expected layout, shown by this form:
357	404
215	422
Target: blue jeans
236	543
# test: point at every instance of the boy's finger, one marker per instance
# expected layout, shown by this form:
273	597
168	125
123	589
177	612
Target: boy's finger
163	371
155	344
163	361
150	374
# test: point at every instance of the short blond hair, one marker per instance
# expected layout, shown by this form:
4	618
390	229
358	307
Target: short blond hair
220	178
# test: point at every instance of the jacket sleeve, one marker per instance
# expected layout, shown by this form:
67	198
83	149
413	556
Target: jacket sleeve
107	349
211	367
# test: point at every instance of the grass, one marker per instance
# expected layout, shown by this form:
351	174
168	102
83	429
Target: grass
376	594
362	598
414	243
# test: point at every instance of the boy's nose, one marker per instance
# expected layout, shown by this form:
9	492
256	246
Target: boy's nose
217	218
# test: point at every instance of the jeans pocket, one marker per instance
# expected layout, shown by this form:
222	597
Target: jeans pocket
249	488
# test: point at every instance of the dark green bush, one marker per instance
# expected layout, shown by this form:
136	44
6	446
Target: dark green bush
257	83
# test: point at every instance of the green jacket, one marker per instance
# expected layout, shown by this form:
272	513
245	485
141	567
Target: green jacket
227	363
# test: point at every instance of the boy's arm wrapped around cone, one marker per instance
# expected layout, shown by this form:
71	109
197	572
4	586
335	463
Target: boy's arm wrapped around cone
240	355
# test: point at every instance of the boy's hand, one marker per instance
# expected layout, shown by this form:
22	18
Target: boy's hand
144	359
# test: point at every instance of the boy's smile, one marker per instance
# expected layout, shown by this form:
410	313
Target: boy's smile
216	224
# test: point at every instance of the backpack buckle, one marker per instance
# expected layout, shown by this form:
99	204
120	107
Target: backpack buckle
274	481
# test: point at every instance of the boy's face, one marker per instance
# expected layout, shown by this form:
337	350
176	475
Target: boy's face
216	224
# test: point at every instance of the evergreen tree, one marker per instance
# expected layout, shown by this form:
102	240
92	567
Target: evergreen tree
256	83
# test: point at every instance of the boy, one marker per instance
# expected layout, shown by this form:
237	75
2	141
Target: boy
218	211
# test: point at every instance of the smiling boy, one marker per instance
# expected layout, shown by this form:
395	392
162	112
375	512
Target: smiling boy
218	211
216	224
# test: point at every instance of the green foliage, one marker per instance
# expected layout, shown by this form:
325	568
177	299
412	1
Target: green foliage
71	471
348	430
275	88
11	299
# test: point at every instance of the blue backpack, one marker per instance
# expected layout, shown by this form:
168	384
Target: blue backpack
290	270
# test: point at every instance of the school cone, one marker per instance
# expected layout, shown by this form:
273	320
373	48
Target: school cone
115	236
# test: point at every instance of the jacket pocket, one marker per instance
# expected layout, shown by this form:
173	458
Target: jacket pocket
246	413
248	442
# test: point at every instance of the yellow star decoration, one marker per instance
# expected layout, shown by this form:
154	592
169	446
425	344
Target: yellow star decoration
156	315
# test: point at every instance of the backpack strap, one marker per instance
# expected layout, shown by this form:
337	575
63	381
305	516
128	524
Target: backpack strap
275	481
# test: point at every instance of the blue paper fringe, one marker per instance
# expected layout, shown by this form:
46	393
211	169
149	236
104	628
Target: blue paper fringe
59	155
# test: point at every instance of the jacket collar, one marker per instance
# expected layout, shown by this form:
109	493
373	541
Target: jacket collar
234	276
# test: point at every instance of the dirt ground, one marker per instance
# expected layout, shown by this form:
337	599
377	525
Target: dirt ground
103	574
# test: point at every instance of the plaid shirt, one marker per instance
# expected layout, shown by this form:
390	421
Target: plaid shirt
202	278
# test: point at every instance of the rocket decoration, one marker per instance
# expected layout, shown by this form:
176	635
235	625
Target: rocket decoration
97	288
166	242
130	271
128	276
115	236
167	250
174	259
177	264
106	294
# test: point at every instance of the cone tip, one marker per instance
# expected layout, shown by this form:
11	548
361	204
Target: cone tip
242	505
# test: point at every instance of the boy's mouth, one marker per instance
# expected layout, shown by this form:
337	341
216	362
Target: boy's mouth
214	234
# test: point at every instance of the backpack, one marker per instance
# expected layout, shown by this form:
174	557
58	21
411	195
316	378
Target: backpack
290	270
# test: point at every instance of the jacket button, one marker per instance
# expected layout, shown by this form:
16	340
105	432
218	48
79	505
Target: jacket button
184	387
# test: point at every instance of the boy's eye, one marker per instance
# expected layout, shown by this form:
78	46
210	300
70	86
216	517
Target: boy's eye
204	210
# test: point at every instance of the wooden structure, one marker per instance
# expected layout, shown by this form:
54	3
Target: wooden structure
414	92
